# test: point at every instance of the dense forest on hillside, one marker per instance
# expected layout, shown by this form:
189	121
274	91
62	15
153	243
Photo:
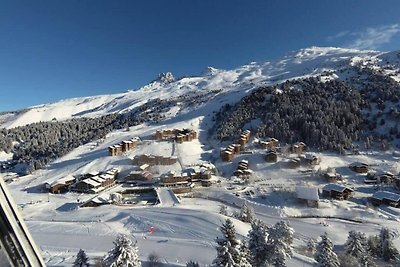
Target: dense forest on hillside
38	144
325	115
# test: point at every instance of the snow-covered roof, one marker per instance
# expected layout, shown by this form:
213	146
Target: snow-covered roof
97	179
308	193
106	176
144	166
310	156
91	182
63	180
94	173
386	195
358	164
336	187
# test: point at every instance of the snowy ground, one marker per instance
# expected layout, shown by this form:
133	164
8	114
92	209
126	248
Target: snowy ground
187	230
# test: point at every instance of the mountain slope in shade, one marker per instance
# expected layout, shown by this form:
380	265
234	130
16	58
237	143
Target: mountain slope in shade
303	63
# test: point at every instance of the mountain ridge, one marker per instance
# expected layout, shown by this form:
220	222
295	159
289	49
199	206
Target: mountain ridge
305	62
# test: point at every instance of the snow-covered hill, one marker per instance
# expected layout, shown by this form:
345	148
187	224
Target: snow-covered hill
303	63
186	229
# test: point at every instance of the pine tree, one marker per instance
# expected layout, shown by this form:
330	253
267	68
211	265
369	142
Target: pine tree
124	253
227	247
192	264
280	239
373	245
311	247
246	213
387	249
325	256
245	257
258	244
356	244
81	259
223	210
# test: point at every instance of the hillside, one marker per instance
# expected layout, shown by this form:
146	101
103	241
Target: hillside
332	99
304	63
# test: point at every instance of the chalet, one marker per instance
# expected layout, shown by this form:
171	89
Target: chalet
61	185
124	146
96	183
294	163
114	172
88	186
337	191
308	194
359	167
242	170
172	179
108	180
226	155
298	148
271	156
180	135
243	165
96	202
311	159
138	175
244	137
385	198
270	143
379	177
332	177
236	148
144	167
198	174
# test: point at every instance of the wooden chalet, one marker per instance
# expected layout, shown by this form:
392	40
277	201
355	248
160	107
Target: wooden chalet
332	177
311	159
180	135
380	177
97	183
271	156
226	155
124	146
294	163
115	150
269	143
172	179
242	170
88	185
337	191
359	167
138	175
385	198
309	195
298	148
61	185
244	137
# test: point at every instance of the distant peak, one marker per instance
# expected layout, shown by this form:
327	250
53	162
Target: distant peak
210	71
315	51
165	77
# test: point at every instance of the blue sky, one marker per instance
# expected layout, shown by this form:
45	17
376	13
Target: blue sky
50	50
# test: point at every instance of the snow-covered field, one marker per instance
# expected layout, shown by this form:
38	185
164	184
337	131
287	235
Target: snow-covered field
185	228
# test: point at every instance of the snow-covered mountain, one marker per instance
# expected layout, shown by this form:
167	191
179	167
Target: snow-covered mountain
307	62
186	228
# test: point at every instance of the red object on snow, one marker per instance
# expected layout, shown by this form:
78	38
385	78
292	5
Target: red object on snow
151	230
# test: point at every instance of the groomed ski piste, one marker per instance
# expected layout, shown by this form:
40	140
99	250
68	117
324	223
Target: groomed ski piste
185	228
